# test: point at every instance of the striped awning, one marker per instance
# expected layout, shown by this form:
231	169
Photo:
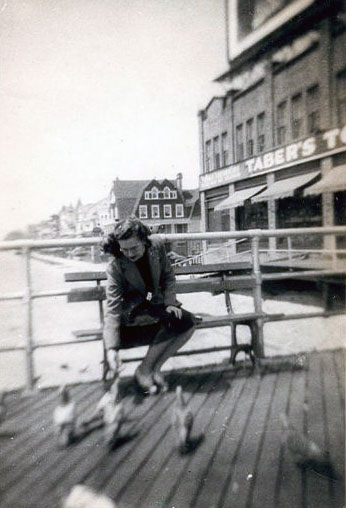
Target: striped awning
333	181
238	198
285	188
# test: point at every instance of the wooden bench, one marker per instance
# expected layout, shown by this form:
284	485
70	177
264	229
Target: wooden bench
213	278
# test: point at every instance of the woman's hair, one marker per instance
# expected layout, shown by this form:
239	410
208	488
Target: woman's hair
122	231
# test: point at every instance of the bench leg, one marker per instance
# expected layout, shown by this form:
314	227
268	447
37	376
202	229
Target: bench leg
247	349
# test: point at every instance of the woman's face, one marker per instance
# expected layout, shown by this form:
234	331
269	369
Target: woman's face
133	248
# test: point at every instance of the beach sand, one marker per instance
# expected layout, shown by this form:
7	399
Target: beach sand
54	320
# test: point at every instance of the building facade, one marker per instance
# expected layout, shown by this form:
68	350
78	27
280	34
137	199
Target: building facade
161	204
273	145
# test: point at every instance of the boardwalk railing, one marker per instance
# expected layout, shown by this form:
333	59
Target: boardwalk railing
28	295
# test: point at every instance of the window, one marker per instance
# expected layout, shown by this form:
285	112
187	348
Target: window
173	194
147	195
239	142
224	149
260	133
154	193
341	97
167	211
216	152
181	228
249	138
143	212
207	156
297	116
166	193
179	210
281	120
155	211
313	109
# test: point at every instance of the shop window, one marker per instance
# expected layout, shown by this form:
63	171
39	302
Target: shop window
300	212
143	212
281	122
340	216
207	156
155	211
341	97
216	152
313	109
260	133
249	138
239	142
297	116
167	211
179	210
224	148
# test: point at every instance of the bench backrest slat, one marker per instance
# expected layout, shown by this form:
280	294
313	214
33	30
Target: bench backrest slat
215	268
98	293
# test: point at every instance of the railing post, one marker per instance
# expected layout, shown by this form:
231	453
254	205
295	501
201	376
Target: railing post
27	301
289	248
256	270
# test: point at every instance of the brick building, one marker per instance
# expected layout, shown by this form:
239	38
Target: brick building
273	145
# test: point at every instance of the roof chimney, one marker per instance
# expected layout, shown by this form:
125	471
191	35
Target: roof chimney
180	181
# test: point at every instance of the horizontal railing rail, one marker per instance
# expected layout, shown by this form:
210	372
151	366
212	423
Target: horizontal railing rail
28	295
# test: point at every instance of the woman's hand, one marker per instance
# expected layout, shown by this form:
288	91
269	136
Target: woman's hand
172	309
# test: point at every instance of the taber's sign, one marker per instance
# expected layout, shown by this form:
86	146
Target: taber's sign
319	145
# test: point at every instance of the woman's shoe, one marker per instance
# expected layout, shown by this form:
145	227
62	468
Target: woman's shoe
145	383
159	381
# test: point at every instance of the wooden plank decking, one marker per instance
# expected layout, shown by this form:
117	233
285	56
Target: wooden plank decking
241	461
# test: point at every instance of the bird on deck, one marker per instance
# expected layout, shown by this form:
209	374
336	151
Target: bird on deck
306	453
64	417
182	421
3	407
111	412
82	496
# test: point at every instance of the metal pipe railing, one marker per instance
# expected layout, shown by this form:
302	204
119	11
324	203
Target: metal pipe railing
26	246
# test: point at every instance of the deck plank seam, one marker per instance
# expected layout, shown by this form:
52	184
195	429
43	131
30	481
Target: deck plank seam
227	482
249	501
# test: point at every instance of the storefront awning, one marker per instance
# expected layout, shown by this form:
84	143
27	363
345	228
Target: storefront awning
333	181
285	188
238	198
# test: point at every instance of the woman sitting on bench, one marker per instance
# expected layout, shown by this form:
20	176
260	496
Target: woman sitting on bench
141	303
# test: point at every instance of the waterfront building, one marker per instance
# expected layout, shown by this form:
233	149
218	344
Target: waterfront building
161	204
273	143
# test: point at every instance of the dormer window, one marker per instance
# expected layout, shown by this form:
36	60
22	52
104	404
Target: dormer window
154	193
166	192
173	194
147	195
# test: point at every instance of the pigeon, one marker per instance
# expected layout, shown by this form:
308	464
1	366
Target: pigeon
82	496
182	421
65	418
305	452
112	413
3	407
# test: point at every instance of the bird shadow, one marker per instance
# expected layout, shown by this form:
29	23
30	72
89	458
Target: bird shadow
320	468
122	440
6	435
192	445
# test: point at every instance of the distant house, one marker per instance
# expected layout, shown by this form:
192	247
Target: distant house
161	204
92	216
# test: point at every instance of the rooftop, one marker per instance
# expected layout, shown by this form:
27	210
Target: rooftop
239	457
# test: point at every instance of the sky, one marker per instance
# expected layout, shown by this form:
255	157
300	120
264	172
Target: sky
94	90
